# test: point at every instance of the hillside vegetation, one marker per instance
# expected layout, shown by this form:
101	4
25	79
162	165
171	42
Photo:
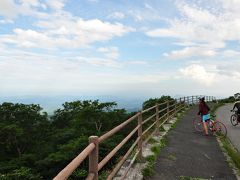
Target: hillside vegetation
33	146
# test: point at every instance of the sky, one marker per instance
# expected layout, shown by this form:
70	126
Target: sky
125	49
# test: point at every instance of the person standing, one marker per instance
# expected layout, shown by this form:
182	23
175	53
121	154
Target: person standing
204	112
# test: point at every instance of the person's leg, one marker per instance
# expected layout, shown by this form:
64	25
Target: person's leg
205	123
238	113
205	127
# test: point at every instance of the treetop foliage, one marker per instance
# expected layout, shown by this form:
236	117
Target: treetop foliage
34	146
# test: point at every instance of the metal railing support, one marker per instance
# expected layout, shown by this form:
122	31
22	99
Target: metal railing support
93	157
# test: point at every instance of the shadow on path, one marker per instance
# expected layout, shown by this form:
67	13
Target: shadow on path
190	154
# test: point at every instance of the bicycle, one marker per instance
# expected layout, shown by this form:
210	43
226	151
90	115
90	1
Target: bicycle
214	126
235	118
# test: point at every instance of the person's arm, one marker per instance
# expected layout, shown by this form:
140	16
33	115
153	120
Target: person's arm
234	106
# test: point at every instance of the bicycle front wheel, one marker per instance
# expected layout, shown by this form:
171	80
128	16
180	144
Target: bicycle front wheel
198	124
234	120
220	129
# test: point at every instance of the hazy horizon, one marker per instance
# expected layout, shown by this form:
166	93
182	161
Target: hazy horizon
51	103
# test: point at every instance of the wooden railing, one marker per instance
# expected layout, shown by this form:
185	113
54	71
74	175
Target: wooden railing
167	110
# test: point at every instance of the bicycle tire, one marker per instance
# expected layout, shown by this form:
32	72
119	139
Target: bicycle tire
234	120
219	129
198	125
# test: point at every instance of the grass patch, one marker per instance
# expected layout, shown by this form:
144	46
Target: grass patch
152	141
161	128
226	144
190	178
103	175
172	157
232	152
149	171
179	116
151	159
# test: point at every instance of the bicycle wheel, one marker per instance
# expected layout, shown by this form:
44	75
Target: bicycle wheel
198	125
219	129
234	119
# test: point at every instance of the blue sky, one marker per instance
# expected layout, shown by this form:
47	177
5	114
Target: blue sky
131	49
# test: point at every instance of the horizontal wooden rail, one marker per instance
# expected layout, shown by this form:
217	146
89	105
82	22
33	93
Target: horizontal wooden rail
144	132
130	165
118	166
171	105
171	111
163	110
149	118
67	171
113	152
118	128
146	110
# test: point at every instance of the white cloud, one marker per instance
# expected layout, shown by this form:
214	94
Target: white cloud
110	52
216	76
56	33
117	15
231	53
30	73
35	3
56	4
138	62
57	28
190	52
208	27
145	13
6	21
199	74
8	8
162	33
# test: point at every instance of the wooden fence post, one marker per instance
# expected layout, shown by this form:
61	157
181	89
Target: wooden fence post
175	107
157	117
167	111
93	157
140	135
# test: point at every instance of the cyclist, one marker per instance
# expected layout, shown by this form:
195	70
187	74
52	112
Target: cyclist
237	105
204	112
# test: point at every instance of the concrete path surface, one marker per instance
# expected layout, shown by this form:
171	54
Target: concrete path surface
233	132
190	154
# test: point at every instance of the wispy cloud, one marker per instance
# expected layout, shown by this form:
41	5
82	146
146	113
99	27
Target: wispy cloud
208	29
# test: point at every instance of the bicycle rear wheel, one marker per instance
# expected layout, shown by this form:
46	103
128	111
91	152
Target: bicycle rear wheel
220	129
234	120
198	125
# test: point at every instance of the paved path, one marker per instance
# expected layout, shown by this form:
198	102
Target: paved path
191	154
224	114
